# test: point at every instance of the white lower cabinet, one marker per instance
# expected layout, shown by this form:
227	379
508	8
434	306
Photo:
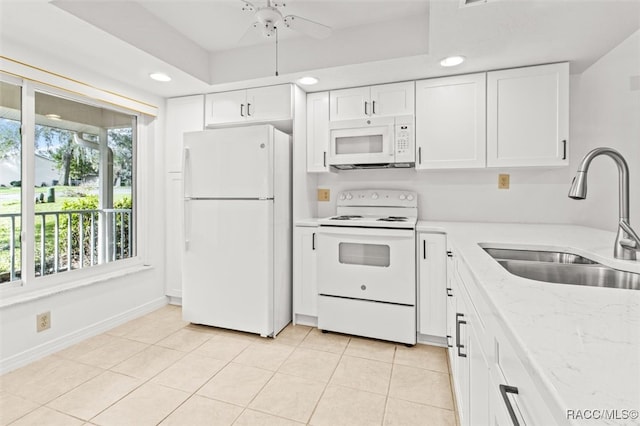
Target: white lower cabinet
305	288
432	284
484	365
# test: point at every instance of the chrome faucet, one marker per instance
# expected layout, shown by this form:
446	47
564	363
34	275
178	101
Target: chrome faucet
627	241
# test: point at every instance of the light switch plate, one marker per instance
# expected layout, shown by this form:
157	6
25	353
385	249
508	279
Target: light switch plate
503	181
324	194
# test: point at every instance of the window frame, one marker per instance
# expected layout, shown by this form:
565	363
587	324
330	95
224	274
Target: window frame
28	282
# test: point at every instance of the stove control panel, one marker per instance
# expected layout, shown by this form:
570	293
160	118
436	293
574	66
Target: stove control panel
378	198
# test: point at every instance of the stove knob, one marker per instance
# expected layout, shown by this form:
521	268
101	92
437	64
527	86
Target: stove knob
410	197
374	196
342	197
402	197
349	196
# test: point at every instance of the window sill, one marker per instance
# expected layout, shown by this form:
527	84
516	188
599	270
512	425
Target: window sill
25	297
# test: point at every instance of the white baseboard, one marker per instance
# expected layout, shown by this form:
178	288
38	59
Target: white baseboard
299	319
426	339
175	300
23	358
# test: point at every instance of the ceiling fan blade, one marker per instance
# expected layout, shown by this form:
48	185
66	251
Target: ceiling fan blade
251	36
307	27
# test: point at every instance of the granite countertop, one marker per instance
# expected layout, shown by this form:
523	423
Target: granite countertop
581	345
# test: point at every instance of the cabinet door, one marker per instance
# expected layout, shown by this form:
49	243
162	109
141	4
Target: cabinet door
528	116
175	234
478	381
226	107
305	292
184	114
317	131
432	284
392	99
269	103
451	122
349	104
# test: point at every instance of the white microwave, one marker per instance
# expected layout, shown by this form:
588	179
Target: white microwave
368	143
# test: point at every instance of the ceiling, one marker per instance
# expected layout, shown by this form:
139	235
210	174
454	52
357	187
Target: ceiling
203	44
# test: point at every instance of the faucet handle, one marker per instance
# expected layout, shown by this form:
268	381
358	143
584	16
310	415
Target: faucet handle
629	244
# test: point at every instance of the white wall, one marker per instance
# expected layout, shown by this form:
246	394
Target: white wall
606	112
83	311
535	195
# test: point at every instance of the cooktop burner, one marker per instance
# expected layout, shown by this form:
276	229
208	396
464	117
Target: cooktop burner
374	208
346	217
393	219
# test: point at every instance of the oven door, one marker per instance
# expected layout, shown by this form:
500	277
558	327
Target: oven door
367	263
362	144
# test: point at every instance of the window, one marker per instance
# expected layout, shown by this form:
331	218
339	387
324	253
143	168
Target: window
75	206
10	181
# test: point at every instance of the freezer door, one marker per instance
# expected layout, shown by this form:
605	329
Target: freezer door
228	264
229	163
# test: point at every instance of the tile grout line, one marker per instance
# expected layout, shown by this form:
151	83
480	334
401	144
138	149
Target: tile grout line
315	407
386	399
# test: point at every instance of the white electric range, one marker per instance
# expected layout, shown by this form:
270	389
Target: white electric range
366	265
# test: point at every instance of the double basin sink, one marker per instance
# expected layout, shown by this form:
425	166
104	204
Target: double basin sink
562	268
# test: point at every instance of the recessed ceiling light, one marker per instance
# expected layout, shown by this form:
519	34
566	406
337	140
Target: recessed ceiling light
452	61
308	81
53	116
159	76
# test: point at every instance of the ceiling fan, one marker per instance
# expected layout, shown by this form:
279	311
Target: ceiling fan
268	18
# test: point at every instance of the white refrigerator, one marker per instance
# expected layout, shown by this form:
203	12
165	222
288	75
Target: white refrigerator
237	229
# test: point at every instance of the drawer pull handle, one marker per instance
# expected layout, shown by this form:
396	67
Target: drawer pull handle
449	253
449	293
458	344
504	390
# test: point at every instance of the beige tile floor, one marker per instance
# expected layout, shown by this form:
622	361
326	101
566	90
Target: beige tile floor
160	370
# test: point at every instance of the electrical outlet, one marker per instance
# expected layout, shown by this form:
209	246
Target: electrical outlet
503	181
43	321
324	194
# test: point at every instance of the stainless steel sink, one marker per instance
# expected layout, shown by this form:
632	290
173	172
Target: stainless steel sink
539	256
563	268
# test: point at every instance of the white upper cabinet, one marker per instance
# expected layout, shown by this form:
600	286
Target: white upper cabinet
528	116
373	101
451	122
184	114
260	104
269	103
349	104
317	131
393	99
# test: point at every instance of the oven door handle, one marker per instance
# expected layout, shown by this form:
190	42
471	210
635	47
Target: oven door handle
367	232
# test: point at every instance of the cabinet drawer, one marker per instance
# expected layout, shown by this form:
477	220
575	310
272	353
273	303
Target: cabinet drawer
386	321
528	403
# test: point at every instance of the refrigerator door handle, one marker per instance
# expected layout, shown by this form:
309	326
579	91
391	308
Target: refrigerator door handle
185	172
186	224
